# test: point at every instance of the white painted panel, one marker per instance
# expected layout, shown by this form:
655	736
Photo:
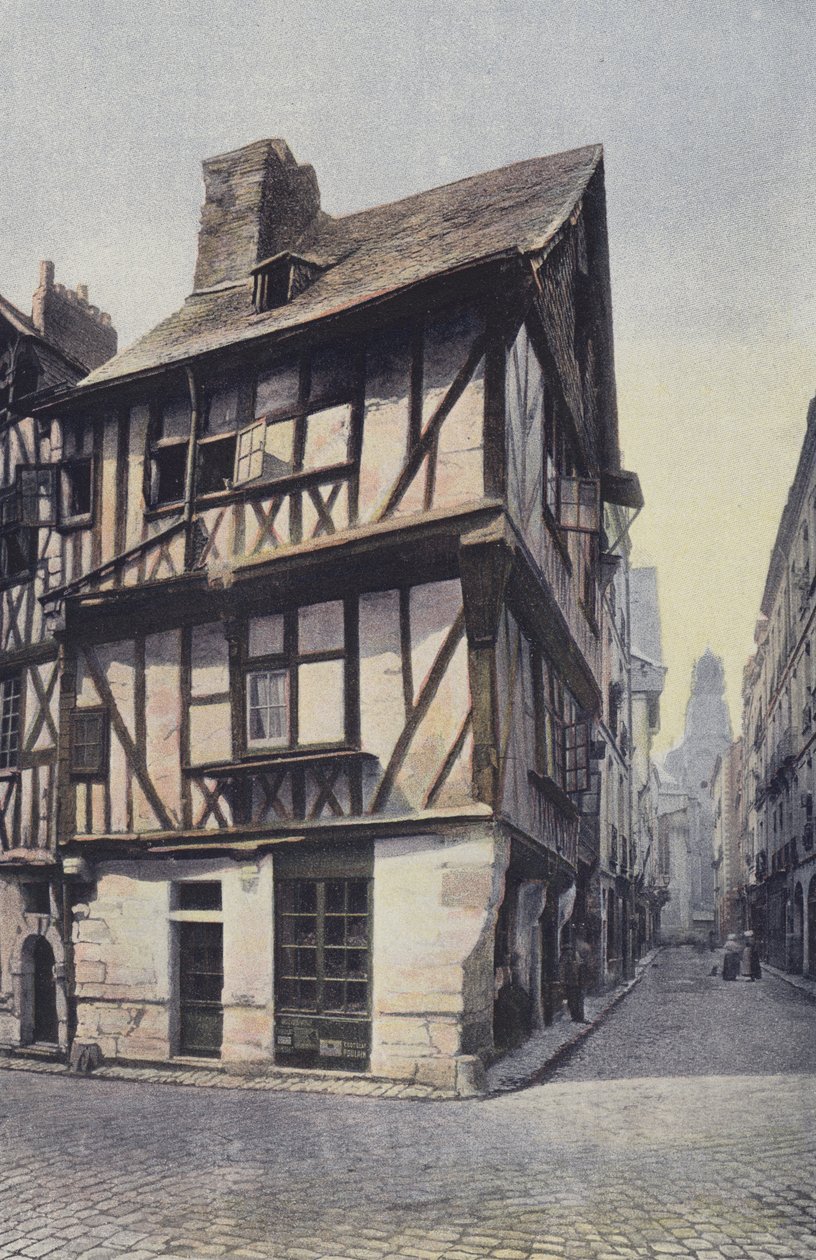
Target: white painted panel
109	507
321	711
320	627
210	733
385	430
116	661
460	462
136	456
434	608
266	635
449	339
209	659
162	714
435	735
382	705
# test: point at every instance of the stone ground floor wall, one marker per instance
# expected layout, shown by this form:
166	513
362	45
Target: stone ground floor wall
30	921
125	964
434	909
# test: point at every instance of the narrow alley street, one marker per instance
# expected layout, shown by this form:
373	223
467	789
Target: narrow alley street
685	1125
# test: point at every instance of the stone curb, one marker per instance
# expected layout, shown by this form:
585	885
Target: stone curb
801	983
341	1085
561	1053
309	1083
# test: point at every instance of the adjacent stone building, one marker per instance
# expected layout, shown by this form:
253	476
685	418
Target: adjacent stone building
318	581
39	355
729	863
778	884
647	678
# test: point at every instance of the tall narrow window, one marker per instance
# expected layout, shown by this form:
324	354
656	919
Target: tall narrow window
216	448
76	473
89	743
10	722
170	435
267	707
16	540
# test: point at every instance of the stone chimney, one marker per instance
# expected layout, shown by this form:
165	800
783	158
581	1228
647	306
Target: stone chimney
66	319
258	202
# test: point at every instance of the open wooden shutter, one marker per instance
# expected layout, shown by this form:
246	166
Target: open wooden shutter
249	455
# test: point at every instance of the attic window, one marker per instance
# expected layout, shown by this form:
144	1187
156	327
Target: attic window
279	279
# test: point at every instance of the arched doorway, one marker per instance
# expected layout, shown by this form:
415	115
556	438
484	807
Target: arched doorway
812	927
45	1021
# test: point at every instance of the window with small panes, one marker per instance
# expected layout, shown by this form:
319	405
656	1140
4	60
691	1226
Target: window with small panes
10	705
294	676
89	743
16	539
323	930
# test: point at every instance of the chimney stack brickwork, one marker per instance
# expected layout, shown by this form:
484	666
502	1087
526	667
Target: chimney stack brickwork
258	202
68	321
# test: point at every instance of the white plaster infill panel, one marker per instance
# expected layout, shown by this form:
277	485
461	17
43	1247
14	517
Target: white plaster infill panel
435	906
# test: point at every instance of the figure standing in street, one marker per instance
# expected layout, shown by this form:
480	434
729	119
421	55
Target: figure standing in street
572	977
750	966
731	958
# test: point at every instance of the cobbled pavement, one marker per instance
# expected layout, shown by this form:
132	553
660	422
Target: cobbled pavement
683	1126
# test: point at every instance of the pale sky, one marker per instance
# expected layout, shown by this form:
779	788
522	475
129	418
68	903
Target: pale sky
706	109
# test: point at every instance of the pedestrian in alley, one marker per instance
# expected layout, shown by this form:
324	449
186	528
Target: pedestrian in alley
750	966
573	979
731	957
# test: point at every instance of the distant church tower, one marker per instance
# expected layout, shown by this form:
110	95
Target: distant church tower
691	764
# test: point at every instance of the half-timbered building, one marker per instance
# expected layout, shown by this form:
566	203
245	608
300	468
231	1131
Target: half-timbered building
45	483
328	628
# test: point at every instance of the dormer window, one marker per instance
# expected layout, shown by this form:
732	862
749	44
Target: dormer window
279	279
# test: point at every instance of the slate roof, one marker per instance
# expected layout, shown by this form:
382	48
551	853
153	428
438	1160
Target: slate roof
19	322
368	255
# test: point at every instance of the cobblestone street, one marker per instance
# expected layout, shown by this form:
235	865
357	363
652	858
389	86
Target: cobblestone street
685	1125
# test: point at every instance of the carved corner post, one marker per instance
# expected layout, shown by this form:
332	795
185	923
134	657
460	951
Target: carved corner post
485	565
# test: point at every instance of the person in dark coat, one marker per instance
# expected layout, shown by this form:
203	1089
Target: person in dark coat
573	978
731	958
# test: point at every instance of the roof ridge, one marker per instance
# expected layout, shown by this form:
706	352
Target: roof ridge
596	149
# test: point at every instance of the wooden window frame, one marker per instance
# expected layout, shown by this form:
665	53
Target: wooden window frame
288	662
11	527
309	403
77	453
25	497
321	947
100	769
157	447
10	756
